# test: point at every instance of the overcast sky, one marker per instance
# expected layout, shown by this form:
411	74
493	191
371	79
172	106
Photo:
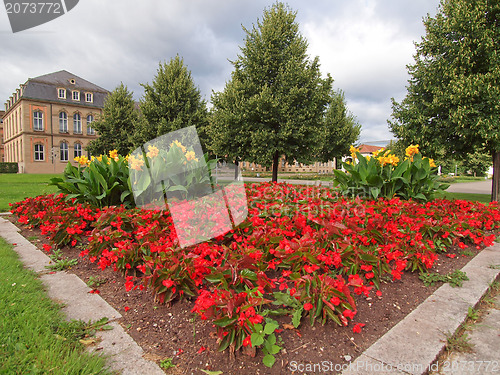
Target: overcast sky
364	44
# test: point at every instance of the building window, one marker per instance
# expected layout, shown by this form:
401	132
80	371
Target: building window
39	152
77	123
89	98
37	120
90	129
76	95
78	150
63	122
64	151
61	93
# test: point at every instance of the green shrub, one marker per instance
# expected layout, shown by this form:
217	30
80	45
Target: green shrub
384	176
8	167
104	181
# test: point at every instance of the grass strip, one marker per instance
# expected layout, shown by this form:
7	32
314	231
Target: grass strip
16	187
34	337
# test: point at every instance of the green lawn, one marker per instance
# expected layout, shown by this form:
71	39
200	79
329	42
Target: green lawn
483	198
16	187
34	337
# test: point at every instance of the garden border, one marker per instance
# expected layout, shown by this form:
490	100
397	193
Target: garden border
414	343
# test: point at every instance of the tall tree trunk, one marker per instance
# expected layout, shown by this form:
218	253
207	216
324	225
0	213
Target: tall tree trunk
276	160
495	185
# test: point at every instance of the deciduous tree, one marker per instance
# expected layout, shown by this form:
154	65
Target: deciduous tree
276	99
453	98
116	124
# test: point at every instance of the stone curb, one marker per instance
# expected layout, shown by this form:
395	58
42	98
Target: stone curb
122	352
415	343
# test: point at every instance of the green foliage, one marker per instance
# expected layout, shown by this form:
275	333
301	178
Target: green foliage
264	336
275	99
103	182
166	363
170	103
453	98
59	262
455	279
35	337
6	167
384	176
116	124
340	129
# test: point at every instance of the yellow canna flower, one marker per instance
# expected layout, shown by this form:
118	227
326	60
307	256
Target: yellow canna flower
411	150
376	153
190	155
353	150
82	160
432	163
113	154
152	151
178	144
135	163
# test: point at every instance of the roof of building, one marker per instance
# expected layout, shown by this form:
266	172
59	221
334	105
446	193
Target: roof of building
45	88
65	79
368	149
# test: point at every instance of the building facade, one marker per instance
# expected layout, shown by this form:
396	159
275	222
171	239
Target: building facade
2	113
48	121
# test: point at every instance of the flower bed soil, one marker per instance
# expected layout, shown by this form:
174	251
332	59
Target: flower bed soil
174	332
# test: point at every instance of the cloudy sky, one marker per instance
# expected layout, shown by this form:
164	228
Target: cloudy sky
364	44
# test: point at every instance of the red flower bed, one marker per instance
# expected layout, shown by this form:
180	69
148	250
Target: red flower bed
302	251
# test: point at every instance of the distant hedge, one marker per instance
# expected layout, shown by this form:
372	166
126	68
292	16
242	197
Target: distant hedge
8	168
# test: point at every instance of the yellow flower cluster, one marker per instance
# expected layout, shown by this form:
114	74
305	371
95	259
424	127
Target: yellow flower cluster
386	158
136	162
113	154
432	163
190	155
353	150
178	144
82	160
152	151
411	150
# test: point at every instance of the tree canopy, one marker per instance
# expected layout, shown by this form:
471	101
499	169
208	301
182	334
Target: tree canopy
116	124
452	104
275	102
171	102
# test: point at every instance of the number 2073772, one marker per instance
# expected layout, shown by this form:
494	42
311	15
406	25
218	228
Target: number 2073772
34	8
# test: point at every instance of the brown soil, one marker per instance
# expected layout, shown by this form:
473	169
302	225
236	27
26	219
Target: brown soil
171	332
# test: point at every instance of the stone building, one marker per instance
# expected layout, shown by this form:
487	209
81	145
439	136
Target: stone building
48	121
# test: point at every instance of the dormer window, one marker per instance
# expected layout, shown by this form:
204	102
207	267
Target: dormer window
89	97
76	95
61	93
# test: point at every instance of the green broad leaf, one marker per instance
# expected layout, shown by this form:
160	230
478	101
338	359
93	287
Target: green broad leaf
208	372
248	274
271	327
225	321
296	317
268	360
257	339
275	349
226	341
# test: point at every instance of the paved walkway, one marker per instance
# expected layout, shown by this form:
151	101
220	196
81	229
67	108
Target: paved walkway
478	187
485	355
